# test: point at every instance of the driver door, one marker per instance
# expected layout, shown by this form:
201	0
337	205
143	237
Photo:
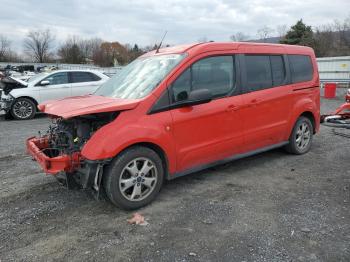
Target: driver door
58	87
211	131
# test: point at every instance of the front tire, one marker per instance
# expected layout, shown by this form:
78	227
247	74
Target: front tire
134	178
23	109
301	138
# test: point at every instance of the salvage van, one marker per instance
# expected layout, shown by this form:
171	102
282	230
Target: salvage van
178	110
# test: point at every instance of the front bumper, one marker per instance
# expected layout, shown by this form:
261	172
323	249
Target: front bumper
5	102
39	149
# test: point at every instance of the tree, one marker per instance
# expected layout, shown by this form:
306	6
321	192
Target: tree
71	51
4	48
343	36
281	31
38	45
239	36
264	32
111	54
133	52
299	34
324	38
90	47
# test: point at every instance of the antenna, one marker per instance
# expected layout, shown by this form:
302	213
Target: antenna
161	42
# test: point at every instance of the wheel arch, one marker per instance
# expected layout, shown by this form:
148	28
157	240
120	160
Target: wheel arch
28	97
13	102
311	117
156	148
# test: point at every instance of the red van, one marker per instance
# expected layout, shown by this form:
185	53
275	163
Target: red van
179	110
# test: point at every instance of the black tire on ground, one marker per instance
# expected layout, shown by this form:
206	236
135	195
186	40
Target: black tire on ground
23	109
294	147
114	171
8	116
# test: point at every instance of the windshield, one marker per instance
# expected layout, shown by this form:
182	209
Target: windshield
140	77
33	78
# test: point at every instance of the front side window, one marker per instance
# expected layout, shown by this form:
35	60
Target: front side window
79	77
58	78
301	68
140	77
216	74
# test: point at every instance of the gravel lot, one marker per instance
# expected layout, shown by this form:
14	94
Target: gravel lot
269	207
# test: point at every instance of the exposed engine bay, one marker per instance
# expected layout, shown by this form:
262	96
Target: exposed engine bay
8	83
69	135
66	137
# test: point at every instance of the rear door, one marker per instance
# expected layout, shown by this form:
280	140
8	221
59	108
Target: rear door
212	131
58	88
267	98
84	83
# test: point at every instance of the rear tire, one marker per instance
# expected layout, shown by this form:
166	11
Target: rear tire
301	138
23	109
134	178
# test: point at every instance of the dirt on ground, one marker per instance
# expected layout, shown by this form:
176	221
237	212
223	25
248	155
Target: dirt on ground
269	207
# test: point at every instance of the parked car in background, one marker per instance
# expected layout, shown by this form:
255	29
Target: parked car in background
20	98
179	110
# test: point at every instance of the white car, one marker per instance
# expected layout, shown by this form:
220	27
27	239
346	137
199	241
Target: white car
20	98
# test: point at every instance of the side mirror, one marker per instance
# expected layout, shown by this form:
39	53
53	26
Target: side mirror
199	96
44	82
195	97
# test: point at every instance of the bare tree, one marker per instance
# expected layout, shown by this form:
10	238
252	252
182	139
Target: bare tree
239	36
90	46
38	44
325	44
281	30
71	52
264	32
4	47
343	35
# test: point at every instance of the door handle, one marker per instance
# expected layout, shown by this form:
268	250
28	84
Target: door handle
231	108
65	86
254	102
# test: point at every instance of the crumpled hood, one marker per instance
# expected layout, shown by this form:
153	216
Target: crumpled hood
19	81
84	105
9	83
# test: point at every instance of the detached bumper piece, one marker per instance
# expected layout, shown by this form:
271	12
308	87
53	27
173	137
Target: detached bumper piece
49	158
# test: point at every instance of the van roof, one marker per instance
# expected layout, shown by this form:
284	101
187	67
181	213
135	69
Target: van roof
216	46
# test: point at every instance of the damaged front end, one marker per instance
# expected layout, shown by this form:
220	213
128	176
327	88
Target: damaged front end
59	150
6	86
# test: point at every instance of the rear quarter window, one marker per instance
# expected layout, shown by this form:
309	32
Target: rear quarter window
301	68
80	77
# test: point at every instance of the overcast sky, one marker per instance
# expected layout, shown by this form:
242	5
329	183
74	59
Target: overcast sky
144	21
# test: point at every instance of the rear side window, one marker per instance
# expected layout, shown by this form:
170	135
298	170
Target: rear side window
278	70
216	74
79	77
301	68
259	74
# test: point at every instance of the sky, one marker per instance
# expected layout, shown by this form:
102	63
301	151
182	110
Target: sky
145	21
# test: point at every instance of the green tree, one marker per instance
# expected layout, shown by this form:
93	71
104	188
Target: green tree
299	34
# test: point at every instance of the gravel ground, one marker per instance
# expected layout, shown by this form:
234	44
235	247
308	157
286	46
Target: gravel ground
269	207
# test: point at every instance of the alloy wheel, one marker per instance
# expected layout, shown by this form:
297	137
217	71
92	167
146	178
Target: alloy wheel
303	136
138	179
22	109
